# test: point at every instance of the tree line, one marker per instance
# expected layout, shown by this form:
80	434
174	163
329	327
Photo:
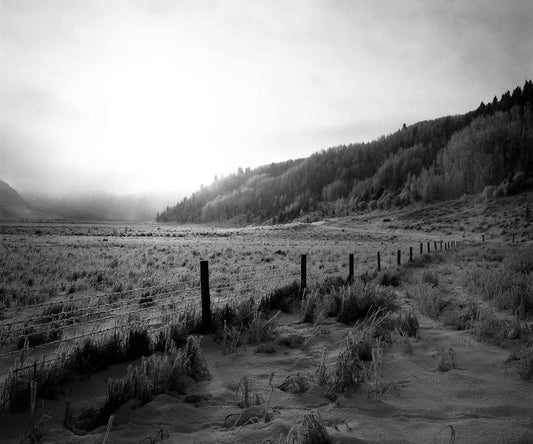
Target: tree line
432	160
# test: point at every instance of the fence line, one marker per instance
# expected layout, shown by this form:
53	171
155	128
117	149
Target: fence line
149	305
66	314
234	284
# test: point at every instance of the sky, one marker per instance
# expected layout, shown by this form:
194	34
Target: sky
160	96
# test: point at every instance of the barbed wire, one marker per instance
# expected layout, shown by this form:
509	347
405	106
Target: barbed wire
96	332
68	313
148	306
248	281
122	304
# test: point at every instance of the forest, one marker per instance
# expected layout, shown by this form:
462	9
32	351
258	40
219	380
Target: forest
488	150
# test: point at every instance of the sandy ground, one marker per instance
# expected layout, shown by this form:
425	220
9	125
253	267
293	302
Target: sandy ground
483	399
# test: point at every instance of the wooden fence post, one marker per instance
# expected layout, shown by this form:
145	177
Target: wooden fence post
206	297
350	268
379	261
435	245
428	248
421	247
483	238
303	272
399	257
410	254
441	245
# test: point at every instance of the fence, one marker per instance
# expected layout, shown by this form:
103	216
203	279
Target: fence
64	322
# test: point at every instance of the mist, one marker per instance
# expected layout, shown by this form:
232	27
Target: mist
135	97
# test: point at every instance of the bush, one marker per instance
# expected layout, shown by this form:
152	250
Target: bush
281	299
507	287
525	362
138	344
313	307
460	317
155	374
390	279
430	277
261	330
361	300
488	328
429	299
408	325
311	431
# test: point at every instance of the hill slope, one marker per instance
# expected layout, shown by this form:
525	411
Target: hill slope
14	207
428	161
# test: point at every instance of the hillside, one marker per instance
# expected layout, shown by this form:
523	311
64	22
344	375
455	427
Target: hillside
428	161
14	207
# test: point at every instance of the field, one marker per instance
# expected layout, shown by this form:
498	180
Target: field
464	374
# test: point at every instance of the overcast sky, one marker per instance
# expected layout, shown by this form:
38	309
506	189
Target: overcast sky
153	96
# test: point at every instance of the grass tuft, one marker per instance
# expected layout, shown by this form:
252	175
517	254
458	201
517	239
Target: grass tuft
311	431
361	300
525	362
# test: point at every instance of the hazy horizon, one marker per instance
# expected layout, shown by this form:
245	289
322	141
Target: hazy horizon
139	97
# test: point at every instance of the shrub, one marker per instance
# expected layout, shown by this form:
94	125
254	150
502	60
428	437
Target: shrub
138	344
175	332
37	428
361	300
154	375
408	325
390	279
525	363
460	317
313	307
488	328
96	354
297	383
431	278
261	330
281	299
429	299
507	286
311	431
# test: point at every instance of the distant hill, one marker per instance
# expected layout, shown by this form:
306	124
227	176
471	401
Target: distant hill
487	150
15	208
101	207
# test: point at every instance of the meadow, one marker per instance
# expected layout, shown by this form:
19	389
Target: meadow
103	321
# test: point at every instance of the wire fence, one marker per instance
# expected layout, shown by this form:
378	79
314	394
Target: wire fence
49	327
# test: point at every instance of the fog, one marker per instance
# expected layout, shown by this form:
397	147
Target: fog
134	97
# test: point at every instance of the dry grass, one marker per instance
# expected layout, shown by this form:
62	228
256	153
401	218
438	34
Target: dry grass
487	327
430	300
322	374
254	408
37	428
447	359
262	330
297	383
502	276
311	431
360	300
154	375
525	362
